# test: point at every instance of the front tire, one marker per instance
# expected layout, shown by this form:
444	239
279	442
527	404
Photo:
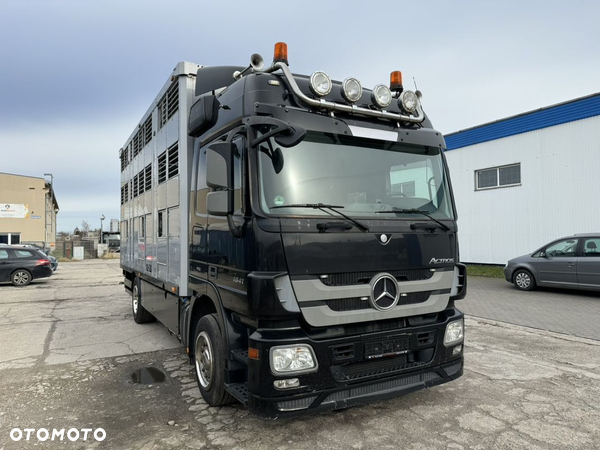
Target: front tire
21	277
523	280
209	361
140	314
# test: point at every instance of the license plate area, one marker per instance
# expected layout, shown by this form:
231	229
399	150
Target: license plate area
399	345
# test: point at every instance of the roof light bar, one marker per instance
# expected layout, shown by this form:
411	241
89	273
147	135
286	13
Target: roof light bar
351	90
408	101
320	84
381	96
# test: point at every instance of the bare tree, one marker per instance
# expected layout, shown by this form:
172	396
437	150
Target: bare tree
85	228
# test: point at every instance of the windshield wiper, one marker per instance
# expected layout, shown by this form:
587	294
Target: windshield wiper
324	207
415	211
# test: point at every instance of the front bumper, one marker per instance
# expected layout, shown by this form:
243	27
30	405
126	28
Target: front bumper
508	273
359	394
353	378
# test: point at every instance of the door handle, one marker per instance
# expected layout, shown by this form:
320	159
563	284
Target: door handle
212	272
571	264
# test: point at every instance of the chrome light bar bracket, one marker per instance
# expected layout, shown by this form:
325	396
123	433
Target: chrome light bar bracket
352	109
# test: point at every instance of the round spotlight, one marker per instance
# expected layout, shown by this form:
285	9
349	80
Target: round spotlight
381	96
351	90
320	84
409	101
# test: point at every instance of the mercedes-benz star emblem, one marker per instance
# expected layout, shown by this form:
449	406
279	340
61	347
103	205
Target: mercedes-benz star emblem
384	291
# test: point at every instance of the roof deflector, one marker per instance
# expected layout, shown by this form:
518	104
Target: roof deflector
211	78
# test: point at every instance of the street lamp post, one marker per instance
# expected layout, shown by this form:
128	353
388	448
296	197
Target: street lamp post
48	209
101	220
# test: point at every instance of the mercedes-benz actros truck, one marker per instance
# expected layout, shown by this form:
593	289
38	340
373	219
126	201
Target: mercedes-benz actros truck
297	234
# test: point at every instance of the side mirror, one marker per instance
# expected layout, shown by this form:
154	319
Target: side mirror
217	203
546	255
203	115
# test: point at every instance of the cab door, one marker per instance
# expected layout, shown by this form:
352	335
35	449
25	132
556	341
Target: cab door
588	264
557	265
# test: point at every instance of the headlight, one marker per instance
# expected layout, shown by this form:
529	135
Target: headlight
293	359
409	101
454	333
381	96
351	90
320	84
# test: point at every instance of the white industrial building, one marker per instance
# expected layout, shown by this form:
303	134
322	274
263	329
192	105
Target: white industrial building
523	181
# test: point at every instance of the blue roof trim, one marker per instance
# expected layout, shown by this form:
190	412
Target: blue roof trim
577	109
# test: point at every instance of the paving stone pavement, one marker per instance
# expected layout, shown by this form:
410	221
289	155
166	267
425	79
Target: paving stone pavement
523	388
563	311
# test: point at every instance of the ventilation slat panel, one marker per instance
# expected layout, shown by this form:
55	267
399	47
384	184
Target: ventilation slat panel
162	168
173	161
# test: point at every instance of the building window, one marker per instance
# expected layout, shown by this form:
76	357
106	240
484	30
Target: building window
498	177
10	238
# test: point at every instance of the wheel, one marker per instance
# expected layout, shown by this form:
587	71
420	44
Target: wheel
21	277
523	280
209	361
140	314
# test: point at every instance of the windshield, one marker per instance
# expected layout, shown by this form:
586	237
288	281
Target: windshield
363	176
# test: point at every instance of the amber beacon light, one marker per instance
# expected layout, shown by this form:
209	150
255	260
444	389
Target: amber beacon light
281	53
396	81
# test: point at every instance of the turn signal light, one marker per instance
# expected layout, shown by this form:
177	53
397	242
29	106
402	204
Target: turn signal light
396	81
252	353
281	53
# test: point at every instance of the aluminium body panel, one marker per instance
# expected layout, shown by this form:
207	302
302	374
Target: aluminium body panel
156	206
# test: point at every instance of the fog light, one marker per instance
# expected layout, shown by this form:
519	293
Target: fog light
286	384
381	96
320	84
456	350
409	101
351	90
454	333
293	359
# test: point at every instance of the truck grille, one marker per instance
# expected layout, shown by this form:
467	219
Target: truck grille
350	278
356	303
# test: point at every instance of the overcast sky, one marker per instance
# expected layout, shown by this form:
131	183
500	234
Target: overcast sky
78	75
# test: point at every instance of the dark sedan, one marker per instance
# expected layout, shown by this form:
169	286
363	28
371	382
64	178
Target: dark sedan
570	262
20	265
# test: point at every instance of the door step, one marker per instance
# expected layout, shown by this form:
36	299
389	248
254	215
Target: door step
239	391
240	355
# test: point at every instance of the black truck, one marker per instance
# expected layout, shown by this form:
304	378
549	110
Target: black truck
297	234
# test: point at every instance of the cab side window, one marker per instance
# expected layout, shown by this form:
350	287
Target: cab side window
563	249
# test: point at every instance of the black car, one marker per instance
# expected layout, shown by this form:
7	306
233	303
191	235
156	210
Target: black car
20	265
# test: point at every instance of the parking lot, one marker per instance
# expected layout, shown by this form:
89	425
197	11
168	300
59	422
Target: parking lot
564	311
68	347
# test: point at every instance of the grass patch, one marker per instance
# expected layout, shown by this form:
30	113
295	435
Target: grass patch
485	271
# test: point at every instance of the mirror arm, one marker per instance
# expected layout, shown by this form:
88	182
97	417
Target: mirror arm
235	230
270	134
